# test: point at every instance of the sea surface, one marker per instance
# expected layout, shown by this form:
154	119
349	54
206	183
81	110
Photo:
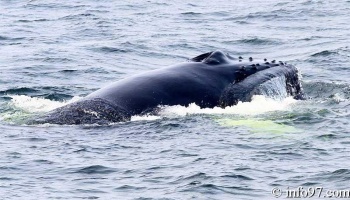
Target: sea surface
55	52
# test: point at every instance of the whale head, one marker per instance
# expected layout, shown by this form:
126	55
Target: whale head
251	76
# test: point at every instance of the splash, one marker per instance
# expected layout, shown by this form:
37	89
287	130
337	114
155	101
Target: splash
259	105
144	118
274	88
337	97
36	104
22	107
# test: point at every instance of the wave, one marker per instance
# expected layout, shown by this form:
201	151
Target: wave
21	90
259	41
10	38
327	90
191	13
94	169
106	49
338	51
325	53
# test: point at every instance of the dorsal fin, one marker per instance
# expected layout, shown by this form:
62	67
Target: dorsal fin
201	57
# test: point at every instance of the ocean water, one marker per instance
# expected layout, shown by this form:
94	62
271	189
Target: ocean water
55	52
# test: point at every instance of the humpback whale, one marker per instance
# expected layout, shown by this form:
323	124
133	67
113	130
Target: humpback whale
208	80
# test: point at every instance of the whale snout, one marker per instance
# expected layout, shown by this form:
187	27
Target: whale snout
280	79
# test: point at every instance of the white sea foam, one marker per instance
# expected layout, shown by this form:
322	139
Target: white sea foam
338	98
144	118
259	105
36	104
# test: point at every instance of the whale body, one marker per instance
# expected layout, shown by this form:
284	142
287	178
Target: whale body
208	80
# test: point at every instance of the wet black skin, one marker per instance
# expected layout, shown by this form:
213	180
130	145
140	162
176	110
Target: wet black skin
209	80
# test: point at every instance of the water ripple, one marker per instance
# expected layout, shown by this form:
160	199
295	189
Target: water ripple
94	169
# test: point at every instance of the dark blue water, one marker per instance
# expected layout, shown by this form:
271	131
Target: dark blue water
52	52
